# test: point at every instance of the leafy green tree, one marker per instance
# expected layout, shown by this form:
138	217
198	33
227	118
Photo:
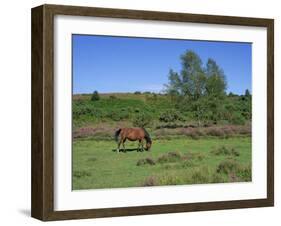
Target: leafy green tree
216	82
175	84
191	79
95	96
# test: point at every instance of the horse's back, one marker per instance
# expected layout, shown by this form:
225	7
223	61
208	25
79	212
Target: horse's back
133	133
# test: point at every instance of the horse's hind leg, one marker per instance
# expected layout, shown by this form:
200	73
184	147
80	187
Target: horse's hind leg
118	147
123	143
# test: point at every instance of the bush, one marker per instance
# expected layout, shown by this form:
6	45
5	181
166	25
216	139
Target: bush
170	180
146	161
217	178
238	119
118	115
80	174
227	166
215	131
245	173
225	151
142	120
187	164
150	181
200	176
112	97
170	116
95	96
173	156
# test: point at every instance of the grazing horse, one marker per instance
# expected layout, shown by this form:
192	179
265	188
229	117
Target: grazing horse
133	134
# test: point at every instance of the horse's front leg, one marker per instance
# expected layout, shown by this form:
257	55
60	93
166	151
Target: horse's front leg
139	144
142	145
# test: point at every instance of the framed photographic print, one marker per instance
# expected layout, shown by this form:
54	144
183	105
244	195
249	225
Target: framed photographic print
141	112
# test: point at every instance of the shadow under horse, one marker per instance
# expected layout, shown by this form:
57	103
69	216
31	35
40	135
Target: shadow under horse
126	150
133	134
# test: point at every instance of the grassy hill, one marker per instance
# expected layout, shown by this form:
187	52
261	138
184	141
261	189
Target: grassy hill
118	107
160	114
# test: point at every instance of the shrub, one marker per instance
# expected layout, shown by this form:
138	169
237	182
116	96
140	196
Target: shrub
227	166
233	177
170	180
225	151
150	181
95	96
118	115
238	119
145	161
199	156
245	173
215	131
217	178
194	133
137	92
142	120
80	174
170	116
170	157
103	133
200	177
112	97
194	156
187	164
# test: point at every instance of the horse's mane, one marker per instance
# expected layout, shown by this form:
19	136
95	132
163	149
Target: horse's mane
147	137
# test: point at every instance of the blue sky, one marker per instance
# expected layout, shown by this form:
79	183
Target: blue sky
120	64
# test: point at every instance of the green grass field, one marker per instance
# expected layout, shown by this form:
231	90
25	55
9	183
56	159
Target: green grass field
170	162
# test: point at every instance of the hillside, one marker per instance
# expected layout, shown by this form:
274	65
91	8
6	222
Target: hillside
161	114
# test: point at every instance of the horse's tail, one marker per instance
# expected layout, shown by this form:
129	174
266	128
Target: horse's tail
116	135
146	136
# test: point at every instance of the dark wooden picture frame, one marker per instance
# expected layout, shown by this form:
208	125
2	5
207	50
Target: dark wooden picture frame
42	203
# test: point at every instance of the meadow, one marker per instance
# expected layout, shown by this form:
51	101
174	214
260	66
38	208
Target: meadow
170	162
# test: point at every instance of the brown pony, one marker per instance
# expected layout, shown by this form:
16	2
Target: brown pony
133	134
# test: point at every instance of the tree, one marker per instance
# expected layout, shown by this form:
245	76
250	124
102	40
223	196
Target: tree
95	96
216	82
247	93
175	84
191	80
193	76
199	90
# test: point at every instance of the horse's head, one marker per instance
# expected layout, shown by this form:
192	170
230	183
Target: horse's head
148	146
